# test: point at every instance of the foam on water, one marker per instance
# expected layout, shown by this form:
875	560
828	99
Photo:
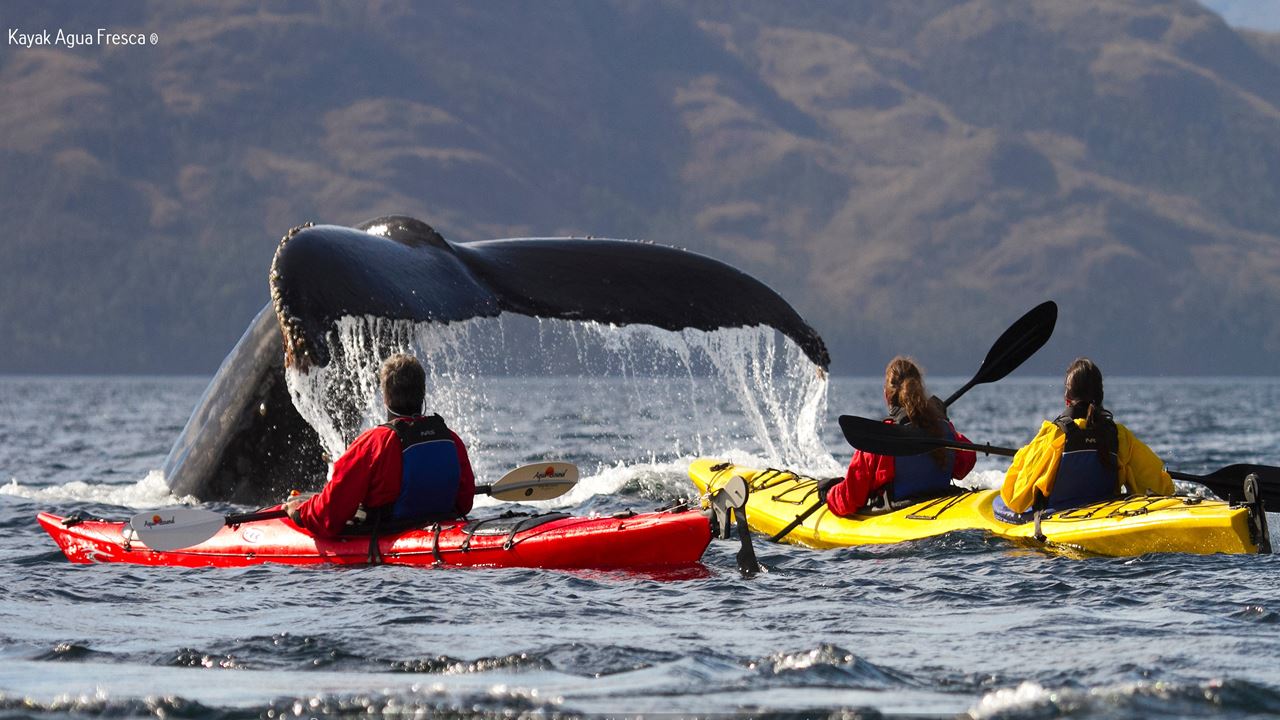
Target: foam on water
984	479
658	480
151	491
1030	699
1006	701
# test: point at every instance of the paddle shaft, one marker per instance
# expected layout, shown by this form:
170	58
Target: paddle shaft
1018	342
990	449
956	395
241	518
1231	486
799	519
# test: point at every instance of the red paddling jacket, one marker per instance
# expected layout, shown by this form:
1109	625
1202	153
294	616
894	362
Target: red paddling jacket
911	476
410	467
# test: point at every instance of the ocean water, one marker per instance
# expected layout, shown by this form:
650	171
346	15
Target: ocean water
958	626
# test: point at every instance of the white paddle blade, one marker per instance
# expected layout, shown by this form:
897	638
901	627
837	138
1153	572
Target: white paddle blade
178	527
541	481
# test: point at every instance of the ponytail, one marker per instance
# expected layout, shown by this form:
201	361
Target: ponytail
1084	392
904	387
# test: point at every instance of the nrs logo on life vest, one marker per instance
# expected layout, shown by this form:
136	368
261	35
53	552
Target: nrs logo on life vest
550	472
156	520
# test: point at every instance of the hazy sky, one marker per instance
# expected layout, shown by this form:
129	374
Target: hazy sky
1256	14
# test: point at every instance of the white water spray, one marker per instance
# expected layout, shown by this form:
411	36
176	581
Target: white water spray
588	391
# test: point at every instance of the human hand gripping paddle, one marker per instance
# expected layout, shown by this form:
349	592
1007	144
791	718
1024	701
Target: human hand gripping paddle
181	527
884	439
1023	338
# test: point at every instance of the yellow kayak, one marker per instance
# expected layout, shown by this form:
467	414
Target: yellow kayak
1121	527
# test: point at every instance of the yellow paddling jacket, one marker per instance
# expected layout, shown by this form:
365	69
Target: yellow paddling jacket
1035	467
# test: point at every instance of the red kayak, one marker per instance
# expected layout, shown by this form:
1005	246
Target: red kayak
556	540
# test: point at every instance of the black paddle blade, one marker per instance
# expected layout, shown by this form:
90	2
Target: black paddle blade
883	438
748	565
1231	479
1020	341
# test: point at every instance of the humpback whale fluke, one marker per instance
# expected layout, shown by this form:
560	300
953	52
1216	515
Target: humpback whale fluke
400	268
246	442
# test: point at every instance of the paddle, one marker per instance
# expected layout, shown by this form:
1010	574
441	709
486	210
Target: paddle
1024	337
180	527
885	439
1020	341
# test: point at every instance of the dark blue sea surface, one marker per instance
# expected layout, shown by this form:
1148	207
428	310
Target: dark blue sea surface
962	625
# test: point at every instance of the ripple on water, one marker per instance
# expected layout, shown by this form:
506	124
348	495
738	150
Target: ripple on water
1137	700
1257	614
169	706
422	702
71	652
827	666
930	627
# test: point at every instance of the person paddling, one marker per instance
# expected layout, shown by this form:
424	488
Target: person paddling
411	468
1081	457
910	477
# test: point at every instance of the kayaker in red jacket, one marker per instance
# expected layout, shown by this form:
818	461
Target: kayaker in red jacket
903	478
411	468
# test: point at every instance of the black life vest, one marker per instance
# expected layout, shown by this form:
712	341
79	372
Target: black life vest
430	470
920	476
1086	473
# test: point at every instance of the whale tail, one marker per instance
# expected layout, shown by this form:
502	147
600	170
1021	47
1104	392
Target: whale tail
246	440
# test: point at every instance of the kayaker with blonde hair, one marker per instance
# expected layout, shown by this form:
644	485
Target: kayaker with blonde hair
1080	457
910	477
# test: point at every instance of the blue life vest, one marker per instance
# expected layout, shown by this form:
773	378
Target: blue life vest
1084	475
430	471
920	476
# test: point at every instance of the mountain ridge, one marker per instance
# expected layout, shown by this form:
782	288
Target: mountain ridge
906	176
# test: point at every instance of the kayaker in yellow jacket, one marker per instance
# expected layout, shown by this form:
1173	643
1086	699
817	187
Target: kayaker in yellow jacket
1083	456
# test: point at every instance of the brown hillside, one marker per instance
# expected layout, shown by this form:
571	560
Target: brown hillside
909	175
